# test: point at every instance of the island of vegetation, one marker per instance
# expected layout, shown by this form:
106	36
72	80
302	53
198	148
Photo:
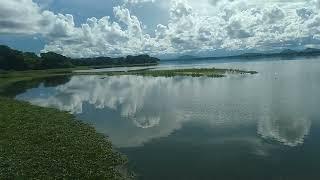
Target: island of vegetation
193	72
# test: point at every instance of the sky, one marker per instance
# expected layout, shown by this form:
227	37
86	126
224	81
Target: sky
161	28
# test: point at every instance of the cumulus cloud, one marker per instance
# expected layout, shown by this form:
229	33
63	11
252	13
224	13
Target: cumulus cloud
101	37
317	3
26	17
204	26
20	16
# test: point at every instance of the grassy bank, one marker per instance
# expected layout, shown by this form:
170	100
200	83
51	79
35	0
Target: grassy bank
44	143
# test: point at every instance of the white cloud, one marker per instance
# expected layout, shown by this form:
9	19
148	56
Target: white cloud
101	37
193	27
20	16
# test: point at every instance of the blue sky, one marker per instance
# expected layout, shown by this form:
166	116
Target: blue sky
162	28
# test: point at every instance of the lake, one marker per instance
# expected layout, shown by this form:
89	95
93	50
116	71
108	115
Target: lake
263	126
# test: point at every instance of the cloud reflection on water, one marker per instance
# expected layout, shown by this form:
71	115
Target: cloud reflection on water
145	108
288	130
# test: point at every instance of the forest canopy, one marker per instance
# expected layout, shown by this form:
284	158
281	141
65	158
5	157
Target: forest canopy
11	59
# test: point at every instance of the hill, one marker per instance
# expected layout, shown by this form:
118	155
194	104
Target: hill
285	53
187	57
11	59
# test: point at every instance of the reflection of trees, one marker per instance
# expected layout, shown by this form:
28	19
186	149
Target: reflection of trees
21	86
55	81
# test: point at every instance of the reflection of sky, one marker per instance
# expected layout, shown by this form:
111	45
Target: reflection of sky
133	110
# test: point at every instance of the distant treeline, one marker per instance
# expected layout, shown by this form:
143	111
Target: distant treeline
11	59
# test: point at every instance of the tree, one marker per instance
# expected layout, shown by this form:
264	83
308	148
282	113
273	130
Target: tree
52	60
11	59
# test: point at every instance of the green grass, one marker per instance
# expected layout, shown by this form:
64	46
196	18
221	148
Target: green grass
44	143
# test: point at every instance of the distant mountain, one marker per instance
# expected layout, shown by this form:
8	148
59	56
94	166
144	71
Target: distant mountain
187	57
311	50
285	53
250	55
288	51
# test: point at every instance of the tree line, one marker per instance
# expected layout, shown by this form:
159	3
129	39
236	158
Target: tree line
11	59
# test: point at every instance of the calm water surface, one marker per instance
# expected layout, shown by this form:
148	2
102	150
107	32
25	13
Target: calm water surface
263	126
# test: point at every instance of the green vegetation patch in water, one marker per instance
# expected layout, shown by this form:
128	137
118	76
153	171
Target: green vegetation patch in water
44	143
195	72
209	72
